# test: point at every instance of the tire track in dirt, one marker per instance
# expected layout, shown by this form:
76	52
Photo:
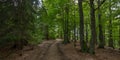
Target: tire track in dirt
44	51
62	54
54	52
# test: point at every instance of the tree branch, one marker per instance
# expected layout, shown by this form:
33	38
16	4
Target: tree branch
102	2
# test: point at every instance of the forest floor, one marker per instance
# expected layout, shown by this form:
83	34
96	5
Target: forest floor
55	50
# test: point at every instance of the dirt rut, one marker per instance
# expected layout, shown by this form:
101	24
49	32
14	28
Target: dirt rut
54	53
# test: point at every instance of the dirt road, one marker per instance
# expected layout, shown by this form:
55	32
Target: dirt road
55	50
48	50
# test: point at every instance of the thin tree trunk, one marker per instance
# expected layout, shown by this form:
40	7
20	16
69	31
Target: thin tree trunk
47	32
101	37
77	34
74	37
86	33
110	27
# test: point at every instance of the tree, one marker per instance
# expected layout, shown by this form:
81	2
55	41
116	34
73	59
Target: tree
93	28
101	35
74	36
110	26
18	23
82	42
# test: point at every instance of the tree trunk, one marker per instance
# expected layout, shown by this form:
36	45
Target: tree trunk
82	42
119	36
74	37
110	26
47	32
93	28
86	33
101	37
66	29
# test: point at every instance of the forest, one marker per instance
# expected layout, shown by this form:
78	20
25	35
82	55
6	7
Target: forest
59	29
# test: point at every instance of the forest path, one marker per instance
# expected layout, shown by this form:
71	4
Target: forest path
55	50
48	50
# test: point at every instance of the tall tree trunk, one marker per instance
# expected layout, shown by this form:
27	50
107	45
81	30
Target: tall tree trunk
93	28
66	29
101	37
74	37
77	38
20	32
110	26
82	42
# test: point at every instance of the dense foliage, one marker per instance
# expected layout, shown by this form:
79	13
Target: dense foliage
93	22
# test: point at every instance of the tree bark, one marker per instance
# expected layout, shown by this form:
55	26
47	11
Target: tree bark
74	37
93	28
101	37
82	42
86	33
66	26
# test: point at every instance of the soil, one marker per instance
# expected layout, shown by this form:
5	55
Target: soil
55	50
